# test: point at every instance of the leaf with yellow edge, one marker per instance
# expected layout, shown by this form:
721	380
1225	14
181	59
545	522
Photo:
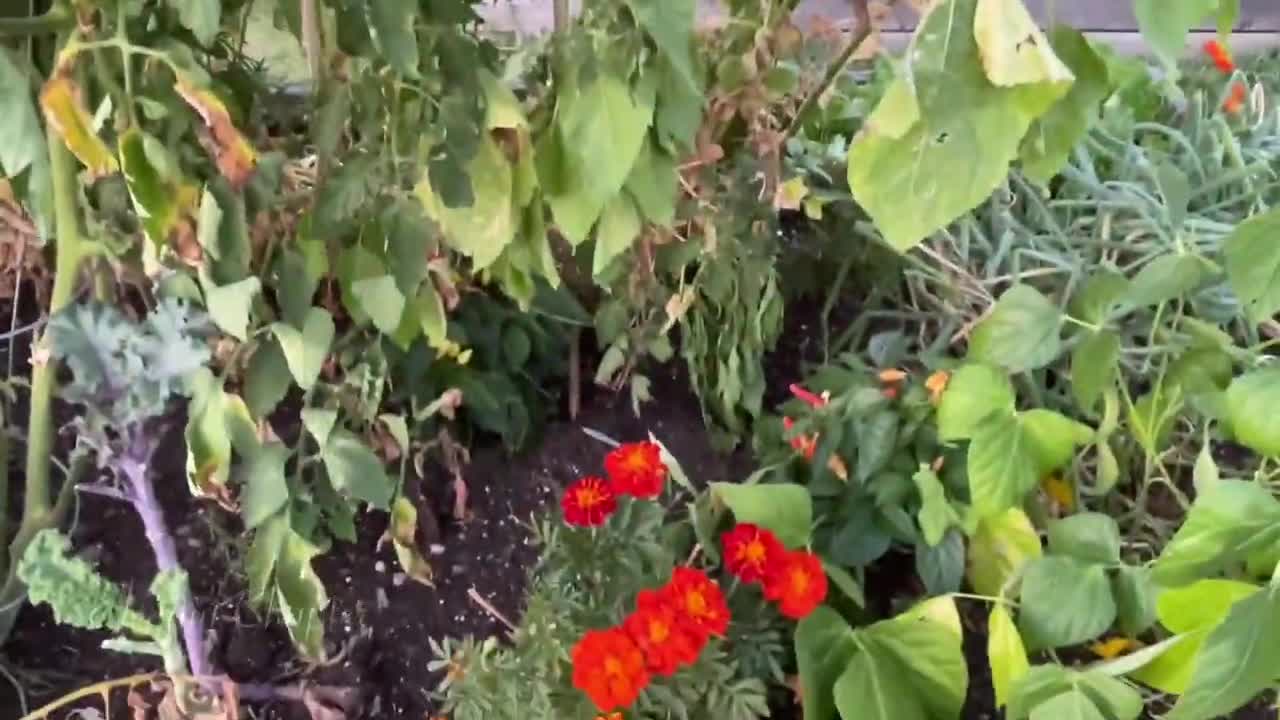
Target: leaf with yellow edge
484	228
1013	49
941	610
64	110
234	156
999	549
1007	654
403	532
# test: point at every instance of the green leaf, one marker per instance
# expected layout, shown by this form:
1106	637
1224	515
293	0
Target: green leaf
73	589
1167	277
601	129
1064	602
155	199
877	440
1100	297
229	306
267	379
784	508
1135	596
872	690
320	423
936	513
1151	417
1238	659
974	392
670	24
1224	526
305	351
618	228
923	647
1007	656
1176	191
956	123
653	184
380	298
432	316
824	646
355	470
202	17
1165	25
1053	438
1015	52
300	594
391	24
1048	144
1116	699
1088	537
941	566
482	229
1070	705
24	143
1021	333
265	488
999	549
1192	611
1251	402
403	531
1002	463
1205	475
1094	364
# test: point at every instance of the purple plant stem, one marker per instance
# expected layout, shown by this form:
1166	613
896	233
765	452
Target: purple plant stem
133	465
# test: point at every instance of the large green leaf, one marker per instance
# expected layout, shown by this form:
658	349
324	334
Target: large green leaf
870	689
1239	659
1252	400
1192	611
1005	652
1053	438
924	647
355	470
229	305
1089	537
1073	704
956	124
155	198
391	23
1224	526
265	488
1094	364
1135	596
1115	699
824	646
1165	24
1064	602
23	143
1048	144
484	228
999	549
202	17
1021	333
618	228
784	508
973	392
267	379
670	24
1002	464
653	184
1167	277
381	299
305	350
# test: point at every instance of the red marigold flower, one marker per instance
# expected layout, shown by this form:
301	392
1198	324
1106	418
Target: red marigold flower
797	583
698	602
1235	101
588	502
815	401
655	627
806	445
1220	55
636	469
750	550
609	668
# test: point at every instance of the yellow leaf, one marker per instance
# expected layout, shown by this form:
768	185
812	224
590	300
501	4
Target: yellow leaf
790	193
1006	652
1061	491
999	548
64	110
234	156
1013	49
941	610
403	533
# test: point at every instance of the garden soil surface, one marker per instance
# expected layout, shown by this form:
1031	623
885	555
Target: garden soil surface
377	624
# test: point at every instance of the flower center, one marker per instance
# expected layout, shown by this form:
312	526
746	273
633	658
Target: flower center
696	603
589	496
612	666
755	552
635	462
658	631
799	581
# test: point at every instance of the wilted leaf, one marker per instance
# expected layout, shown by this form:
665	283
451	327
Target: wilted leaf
66	114
234	156
403	531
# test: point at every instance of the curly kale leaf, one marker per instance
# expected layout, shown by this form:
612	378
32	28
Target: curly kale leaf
78	595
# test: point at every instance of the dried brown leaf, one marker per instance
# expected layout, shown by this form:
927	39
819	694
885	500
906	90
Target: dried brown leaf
62	102
235	157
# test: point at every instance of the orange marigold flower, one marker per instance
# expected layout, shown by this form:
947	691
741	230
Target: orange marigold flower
1235	101
806	445
667	643
698	602
750	551
798	584
936	384
588	502
609	668
636	469
1220	55
815	401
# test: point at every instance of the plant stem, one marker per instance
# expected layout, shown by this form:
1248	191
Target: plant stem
133	465
862	15
56	20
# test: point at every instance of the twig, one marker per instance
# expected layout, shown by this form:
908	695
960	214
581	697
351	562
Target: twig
478	599
862	31
575	374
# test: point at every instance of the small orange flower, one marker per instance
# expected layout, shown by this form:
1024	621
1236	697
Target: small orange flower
750	550
892	375
936	384
588	502
798	584
666	642
1235	101
636	469
815	401
1221	56
806	445
698	602
609	668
